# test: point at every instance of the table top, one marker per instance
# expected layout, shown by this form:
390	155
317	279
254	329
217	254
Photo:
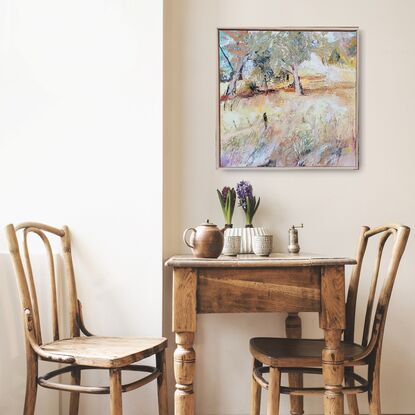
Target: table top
251	260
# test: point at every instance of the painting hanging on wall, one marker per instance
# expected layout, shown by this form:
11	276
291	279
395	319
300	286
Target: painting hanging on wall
288	98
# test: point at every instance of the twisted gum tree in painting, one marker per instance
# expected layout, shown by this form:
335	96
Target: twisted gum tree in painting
288	98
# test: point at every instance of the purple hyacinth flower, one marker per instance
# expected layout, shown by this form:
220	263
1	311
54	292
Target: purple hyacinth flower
225	192
244	191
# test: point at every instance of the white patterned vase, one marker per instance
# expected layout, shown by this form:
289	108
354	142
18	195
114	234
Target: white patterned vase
247	236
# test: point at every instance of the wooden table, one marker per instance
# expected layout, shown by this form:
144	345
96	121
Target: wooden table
280	283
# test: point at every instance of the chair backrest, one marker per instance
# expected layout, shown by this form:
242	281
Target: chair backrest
373	328
26	281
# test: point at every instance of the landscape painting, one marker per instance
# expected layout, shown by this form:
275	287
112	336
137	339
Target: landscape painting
288	98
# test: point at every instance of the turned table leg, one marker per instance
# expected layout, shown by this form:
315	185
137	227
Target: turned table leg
184	371
293	331
332	321
184	326
333	373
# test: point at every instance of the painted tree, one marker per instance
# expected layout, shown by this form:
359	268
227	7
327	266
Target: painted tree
261	55
236	53
261	62
226	75
290	49
271	52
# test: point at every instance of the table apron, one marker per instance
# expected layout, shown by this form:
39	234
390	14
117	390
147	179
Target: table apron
243	290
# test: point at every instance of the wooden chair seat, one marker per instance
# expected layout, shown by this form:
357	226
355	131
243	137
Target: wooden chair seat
106	352
283	352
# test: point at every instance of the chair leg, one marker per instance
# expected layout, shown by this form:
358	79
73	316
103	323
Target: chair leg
295	380
115	392
162	383
255	392
273	403
74	400
374	390
351	399
31	386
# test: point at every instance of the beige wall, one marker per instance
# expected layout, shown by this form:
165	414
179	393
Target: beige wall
332	205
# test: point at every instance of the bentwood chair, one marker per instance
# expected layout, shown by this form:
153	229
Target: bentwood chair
78	353
281	355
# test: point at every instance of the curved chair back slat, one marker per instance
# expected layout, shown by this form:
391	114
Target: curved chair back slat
26	279
374	325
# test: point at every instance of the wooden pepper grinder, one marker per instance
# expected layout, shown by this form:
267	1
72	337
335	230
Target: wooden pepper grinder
293	246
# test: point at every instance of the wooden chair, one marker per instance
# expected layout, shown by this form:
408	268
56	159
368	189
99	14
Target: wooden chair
281	355
80	353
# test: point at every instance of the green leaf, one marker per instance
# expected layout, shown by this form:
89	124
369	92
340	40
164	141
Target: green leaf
222	203
248	212
257	205
233	200
248	204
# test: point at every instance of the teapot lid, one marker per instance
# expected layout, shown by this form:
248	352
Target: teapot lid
207	223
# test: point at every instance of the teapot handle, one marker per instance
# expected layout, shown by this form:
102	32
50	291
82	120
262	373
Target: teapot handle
185	235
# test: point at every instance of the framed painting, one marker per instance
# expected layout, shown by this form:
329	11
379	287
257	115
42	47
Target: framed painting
288	98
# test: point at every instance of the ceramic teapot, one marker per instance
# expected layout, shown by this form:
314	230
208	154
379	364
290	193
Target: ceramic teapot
206	240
